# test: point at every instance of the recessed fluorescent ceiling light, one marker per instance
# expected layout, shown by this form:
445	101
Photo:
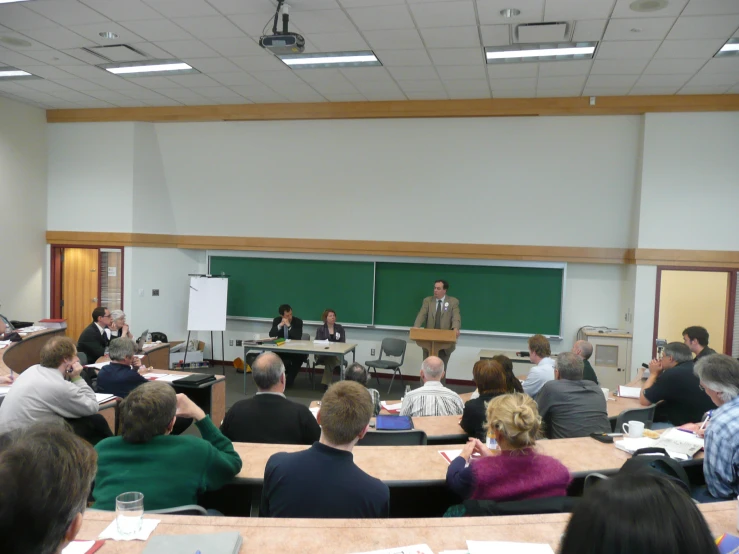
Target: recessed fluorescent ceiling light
331	59
731	48
13	73
541	52
9	1
152	68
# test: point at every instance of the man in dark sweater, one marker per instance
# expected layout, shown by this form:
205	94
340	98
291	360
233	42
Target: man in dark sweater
124	372
673	383
270	417
289	327
584	349
696	338
323	481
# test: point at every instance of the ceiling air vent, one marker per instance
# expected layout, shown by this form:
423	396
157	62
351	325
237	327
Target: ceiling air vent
532	33
117	53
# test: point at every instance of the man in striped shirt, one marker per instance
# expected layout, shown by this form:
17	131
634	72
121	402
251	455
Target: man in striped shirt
433	398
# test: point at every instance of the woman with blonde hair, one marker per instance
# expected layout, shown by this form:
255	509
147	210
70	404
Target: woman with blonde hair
517	472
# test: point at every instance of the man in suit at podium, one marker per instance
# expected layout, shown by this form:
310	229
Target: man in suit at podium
440	312
289	327
94	339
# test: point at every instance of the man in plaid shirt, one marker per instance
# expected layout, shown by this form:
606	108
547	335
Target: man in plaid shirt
719	377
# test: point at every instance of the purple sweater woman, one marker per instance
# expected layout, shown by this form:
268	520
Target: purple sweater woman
518	472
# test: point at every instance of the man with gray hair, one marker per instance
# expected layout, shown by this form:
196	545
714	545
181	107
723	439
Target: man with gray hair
584	349
358	373
719	377
433	398
571	406
124	372
673	384
269	417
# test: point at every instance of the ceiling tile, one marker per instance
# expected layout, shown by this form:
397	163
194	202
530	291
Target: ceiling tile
454	72
495	35
457	56
209	27
611	81
230	7
444	14
46	71
562	10
673	66
278	79
127	10
367	3
381	18
477	86
424	85
653	28
306	5
589	30
641	91
58	38
217	92
512	84
571	81
411	73
488	11
369	88
263	62
707	26
391	58
627	49
45	86
700	49
66	12
711	7
716	89
400	39
151	49
193	81
618	67
663	80
20	18
76	83
157	30
513	70
91	31
334	87
228	47
572	67
382	96
231	79
527	93
312	76
144	94
451	37
427	95
337	42
12	58
179	93
606	91
703	79
212	65
82	56
253	90
89	72
302	93
252	25
321	21
356	97
187	49
722	65
5	32
673	8
182	8
152	82
161	102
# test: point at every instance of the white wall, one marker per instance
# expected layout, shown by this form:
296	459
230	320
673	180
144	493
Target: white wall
23	200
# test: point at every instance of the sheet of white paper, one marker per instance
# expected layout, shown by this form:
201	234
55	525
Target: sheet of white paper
391	407
97	366
102	398
166	377
4	391
78	547
321	342
314	411
147	526
414	549
500	547
4	343
629	392
449	455
454	552
139	356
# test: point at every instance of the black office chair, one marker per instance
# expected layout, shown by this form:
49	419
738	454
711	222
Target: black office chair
390	347
187	510
414	437
645	415
552	505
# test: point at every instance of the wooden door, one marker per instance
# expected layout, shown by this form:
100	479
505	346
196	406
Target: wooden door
79	288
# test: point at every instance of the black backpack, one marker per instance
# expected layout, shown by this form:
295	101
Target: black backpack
656	461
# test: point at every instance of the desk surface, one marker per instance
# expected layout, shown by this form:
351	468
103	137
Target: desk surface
306	347
423	465
19	356
342	536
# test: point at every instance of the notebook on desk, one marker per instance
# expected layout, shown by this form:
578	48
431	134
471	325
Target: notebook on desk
214	543
195	380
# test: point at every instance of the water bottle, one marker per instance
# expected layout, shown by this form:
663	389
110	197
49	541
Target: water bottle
491	443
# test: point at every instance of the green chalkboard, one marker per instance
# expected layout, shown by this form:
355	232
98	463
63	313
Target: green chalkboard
492	298
257	287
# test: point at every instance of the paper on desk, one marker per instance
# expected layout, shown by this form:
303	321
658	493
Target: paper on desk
140	356
147	526
31	329
98	365
499	547
4	343
314	411
677	444
78	547
166	377
629	392
321	342
102	398
391	407
449	455
414	549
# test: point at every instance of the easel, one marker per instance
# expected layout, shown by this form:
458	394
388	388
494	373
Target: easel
212	344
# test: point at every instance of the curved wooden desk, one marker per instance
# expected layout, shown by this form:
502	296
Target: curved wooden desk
339	536
19	356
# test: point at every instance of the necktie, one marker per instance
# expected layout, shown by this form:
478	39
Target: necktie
437	321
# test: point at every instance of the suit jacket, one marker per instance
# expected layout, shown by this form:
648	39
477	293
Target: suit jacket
295	332
322	333
93	343
451	318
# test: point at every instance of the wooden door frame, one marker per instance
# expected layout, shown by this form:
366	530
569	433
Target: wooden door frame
730	302
56	274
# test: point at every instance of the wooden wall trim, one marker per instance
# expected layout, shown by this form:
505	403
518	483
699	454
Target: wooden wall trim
688	258
370	248
605	105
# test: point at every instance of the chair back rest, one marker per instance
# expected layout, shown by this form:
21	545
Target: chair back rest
394	347
551	505
187	510
157	335
414	437
83	358
645	415
305	336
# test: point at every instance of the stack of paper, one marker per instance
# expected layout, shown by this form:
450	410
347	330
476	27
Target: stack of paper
98	365
678	444
103	398
498	547
391	407
324	342
166	377
629	392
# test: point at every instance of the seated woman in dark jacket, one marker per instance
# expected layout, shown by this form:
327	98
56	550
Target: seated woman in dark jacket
333	332
513	384
490	378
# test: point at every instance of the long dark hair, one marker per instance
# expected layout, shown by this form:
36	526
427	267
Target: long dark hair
512	382
637	514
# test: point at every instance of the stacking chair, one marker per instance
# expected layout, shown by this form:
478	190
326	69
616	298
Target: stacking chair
414	437
390	347
187	510
645	415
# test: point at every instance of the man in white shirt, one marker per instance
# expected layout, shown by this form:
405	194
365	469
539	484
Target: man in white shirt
433	398
540	354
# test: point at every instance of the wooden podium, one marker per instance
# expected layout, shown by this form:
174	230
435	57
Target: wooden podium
433	340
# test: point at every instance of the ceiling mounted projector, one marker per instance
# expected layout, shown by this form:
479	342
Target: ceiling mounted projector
284	42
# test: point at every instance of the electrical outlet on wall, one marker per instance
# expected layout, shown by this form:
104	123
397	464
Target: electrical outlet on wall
230	342
372	351
155	292
239	342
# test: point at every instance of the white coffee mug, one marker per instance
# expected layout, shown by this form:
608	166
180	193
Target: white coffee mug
606	392
633	429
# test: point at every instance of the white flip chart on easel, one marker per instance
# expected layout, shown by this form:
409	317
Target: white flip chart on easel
208	297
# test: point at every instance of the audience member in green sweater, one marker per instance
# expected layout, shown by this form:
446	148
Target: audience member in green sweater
169	470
